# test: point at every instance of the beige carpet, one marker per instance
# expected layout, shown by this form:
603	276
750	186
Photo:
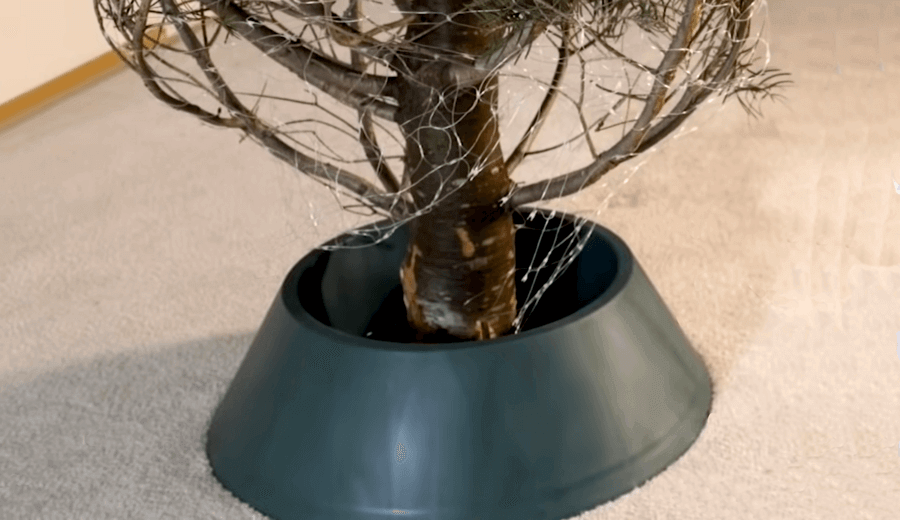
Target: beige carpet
140	250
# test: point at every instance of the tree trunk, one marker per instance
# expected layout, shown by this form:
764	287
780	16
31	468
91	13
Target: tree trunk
458	276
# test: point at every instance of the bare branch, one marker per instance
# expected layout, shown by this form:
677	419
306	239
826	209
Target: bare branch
584	125
147	74
346	33
366	128
577	180
521	39
623	57
697	94
552	92
360	188
346	85
690	30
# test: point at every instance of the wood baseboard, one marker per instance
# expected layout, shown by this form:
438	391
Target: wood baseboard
33	101
36	100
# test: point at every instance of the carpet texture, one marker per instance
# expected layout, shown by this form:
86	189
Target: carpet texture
140	250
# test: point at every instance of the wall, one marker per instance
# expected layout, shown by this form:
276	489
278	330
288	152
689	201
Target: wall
44	39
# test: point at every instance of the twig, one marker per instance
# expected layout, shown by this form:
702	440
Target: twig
336	79
358	187
531	133
571	182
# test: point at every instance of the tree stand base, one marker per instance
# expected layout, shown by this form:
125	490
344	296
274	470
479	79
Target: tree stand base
333	416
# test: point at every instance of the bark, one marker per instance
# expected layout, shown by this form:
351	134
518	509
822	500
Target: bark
458	274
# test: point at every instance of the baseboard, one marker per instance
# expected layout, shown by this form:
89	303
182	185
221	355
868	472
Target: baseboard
26	105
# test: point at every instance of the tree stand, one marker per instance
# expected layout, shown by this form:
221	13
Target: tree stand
335	415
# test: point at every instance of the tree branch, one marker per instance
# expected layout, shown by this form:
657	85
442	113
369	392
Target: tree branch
531	134
361	189
358	90
577	180
697	94
366	129
520	40
634	63
148	75
347	33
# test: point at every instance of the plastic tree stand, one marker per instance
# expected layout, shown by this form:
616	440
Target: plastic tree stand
335	414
